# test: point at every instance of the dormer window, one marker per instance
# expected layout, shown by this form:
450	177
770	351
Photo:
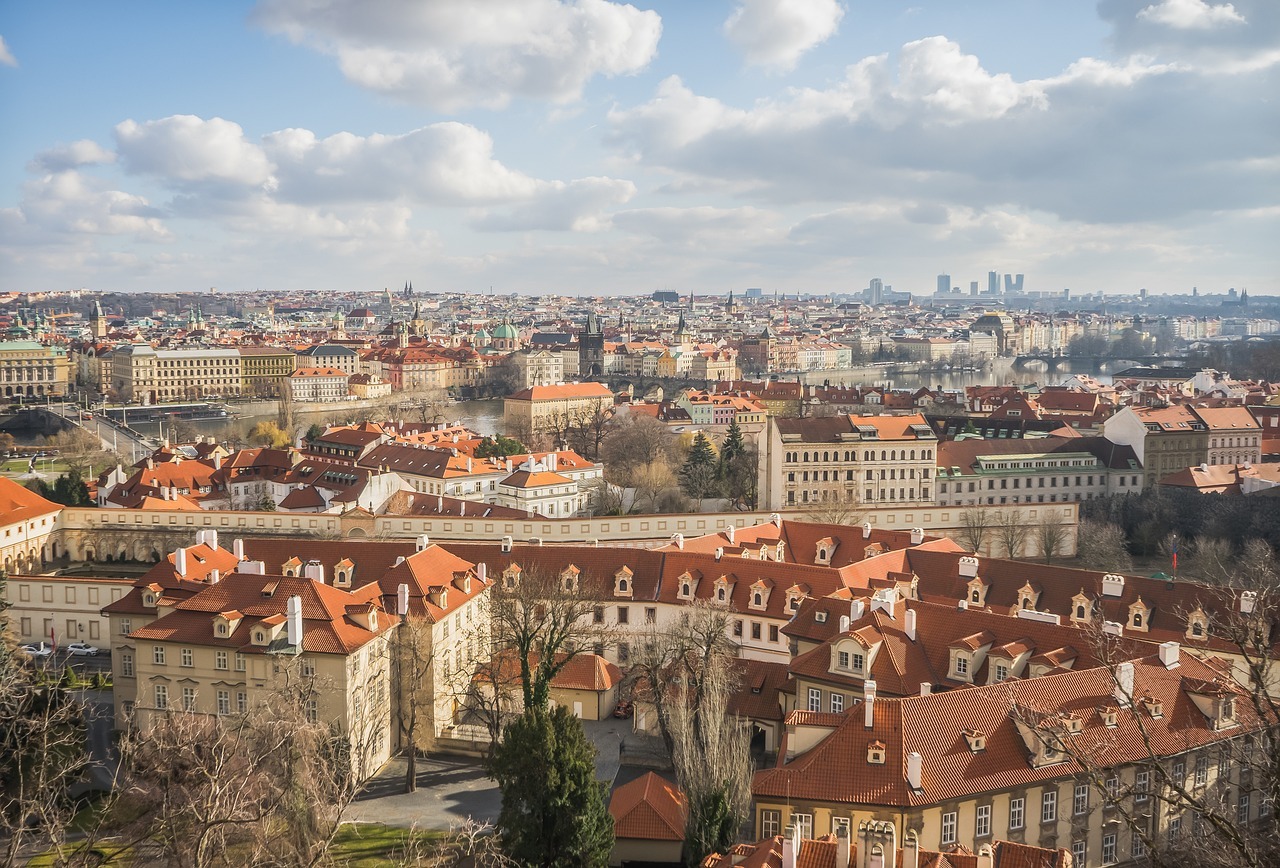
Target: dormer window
875	753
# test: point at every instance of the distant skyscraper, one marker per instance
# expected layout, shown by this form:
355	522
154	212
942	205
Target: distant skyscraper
973	287
944	284
1013	284
993	283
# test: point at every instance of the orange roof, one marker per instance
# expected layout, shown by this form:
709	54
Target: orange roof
650	807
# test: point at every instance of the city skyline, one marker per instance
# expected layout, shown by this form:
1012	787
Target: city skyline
599	148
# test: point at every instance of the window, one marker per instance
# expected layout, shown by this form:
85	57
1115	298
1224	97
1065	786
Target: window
1077	852
770	823
837	703
157	655
1080	804
982	822
188	699
239	662
1109	848
1017	813
126	665
219	659
224	702
804	823
162	696
1049	806
949	823
815	699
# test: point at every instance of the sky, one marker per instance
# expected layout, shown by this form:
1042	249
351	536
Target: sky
597	147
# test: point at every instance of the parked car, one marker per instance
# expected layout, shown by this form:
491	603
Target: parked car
83	649
37	649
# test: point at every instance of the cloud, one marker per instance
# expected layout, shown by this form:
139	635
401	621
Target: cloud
6	56
62	157
1191	14
449	55
776	33
185	149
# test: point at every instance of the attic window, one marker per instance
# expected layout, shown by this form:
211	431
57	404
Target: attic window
875	753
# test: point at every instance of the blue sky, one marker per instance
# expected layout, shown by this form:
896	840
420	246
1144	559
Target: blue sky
593	146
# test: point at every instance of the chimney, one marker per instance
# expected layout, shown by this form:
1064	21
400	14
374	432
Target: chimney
402	600
917	535
843	850
293	616
677	539
237	549
215	576
1124	684
1169	652
314	570
728	533
423	542
856	608
915	764
790	846
866	530
909	623
180	562
869	701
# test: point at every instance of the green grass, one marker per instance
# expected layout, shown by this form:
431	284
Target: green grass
372	845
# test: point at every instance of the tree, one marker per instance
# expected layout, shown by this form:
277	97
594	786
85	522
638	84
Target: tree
698	474
689	672
1100	545
1011	531
1051	536
269	434
553	809
975	523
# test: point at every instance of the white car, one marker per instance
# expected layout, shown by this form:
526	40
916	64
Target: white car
83	649
37	649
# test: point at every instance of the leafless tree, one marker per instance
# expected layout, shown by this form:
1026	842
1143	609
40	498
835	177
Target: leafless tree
688	672
1011	531
1051	536
975	523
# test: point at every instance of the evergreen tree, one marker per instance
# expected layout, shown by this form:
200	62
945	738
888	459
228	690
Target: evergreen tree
698	475
553	809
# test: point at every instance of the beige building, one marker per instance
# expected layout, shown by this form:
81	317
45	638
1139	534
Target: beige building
140	373
30	369
542	409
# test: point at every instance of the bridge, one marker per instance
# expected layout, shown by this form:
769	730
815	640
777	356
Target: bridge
1063	362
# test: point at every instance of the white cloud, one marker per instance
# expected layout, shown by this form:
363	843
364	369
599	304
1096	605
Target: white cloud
186	149
448	55
776	33
84	152
1191	14
6	56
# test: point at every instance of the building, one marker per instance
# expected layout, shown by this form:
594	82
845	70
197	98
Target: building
868	460
969	767
318	384
265	370
31	370
544	409
142	374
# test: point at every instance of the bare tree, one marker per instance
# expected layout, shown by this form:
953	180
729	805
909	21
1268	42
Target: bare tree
975	523
1051	536
1011	531
689	673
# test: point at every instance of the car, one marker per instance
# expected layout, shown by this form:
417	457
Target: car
37	649
83	649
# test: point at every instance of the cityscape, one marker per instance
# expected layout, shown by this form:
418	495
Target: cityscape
730	474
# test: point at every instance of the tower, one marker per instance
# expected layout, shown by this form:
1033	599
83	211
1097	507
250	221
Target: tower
99	320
